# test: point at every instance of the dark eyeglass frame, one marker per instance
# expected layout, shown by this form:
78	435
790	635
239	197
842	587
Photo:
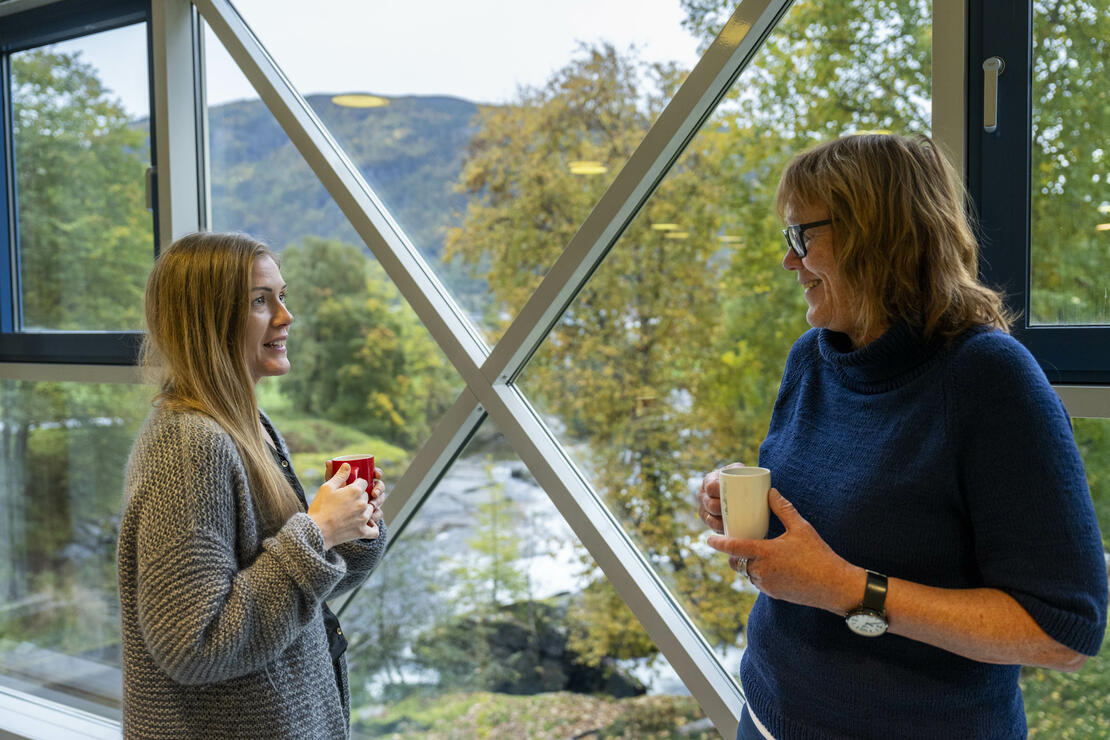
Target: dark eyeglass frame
795	235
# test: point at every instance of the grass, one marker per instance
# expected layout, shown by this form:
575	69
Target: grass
490	716
313	440
1069	706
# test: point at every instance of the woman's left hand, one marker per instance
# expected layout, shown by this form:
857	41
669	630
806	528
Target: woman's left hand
797	566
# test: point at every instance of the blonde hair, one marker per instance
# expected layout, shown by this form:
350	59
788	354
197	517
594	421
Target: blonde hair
903	240
197	301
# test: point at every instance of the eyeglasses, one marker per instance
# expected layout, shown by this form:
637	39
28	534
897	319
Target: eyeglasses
795	235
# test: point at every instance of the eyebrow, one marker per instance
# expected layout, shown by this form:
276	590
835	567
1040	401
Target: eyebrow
268	290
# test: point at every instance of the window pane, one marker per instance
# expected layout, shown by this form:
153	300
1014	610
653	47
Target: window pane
1077	705
485	82
80	114
365	374
63	449
474	623
1070	218
668	362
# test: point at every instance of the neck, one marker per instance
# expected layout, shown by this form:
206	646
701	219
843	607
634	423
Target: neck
862	339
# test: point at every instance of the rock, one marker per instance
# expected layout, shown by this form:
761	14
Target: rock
518	649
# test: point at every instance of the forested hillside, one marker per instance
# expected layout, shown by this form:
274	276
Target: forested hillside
410	151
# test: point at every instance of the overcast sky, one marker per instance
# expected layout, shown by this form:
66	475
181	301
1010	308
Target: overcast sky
480	50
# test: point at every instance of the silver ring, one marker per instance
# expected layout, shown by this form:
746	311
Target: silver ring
744	567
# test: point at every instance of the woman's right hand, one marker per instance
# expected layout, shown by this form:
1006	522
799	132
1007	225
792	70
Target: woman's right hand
343	513
709	498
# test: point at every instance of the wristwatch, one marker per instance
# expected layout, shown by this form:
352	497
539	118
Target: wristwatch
869	618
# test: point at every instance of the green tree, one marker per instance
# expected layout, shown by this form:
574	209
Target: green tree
360	355
620	368
86	239
668	361
489	576
1071	148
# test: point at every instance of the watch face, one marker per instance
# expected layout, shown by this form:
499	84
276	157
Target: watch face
867	623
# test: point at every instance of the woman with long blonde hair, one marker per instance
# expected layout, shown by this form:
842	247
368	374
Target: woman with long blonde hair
933	529
224	566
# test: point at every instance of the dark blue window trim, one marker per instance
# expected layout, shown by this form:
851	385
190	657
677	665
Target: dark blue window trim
999	177
49	24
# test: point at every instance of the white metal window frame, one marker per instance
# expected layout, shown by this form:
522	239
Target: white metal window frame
489	372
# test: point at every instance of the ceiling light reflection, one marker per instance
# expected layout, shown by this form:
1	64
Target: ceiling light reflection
587	167
360	100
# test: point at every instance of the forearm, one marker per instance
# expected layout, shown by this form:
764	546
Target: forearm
983	624
205	621
361	557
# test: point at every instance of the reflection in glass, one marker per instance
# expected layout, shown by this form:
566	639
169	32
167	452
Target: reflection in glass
81	154
667	363
1070	218
475	622
63	449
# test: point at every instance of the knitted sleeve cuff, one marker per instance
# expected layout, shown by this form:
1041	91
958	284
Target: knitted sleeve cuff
362	557
1080	633
299	548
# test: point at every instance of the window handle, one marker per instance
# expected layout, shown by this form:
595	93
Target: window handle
991	69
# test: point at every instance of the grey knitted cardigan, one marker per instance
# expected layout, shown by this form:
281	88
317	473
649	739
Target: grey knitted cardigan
222	629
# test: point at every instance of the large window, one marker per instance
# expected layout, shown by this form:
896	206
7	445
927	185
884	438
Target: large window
79	235
545	543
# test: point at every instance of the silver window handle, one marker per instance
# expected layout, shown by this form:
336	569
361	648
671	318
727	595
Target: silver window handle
991	69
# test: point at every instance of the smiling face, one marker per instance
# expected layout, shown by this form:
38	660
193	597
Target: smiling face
830	298
268	321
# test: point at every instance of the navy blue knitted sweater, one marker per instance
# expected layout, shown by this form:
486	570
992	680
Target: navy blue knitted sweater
949	465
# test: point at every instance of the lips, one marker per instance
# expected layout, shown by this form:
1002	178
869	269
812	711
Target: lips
276	344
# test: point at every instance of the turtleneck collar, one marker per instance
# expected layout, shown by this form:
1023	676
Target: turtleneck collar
897	356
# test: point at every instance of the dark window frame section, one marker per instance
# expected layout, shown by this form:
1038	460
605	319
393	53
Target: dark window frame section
39	26
999	180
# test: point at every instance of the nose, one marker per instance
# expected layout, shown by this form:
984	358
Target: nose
791	260
284	316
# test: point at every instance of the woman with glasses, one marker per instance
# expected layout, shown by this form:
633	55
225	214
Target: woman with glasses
933	529
224	567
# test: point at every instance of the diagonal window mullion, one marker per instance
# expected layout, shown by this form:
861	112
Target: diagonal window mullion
633	578
692	104
449	326
427	468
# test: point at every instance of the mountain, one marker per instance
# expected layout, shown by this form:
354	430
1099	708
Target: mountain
410	152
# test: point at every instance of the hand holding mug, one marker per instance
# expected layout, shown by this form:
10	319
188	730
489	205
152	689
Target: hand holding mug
342	511
797	566
362	466
709	498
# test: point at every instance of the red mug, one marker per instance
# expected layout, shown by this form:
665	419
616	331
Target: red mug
362	466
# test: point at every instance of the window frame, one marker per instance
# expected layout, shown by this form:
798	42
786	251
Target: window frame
21	30
1069	355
